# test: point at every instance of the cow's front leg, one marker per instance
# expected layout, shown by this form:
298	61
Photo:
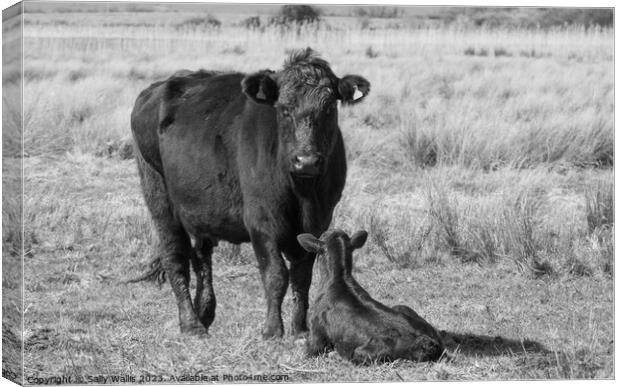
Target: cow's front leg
300	278
275	281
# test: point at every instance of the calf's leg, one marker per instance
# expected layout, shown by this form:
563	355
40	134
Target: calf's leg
373	350
317	343
418	323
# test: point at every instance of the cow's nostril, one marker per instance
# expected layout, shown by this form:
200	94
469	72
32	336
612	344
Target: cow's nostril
306	164
298	163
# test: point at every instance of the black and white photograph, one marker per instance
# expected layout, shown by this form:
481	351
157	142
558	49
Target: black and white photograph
221	192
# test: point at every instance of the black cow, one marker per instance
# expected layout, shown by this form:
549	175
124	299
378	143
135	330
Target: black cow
243	158
345	317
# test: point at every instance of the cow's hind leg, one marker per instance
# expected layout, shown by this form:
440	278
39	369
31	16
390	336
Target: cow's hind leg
175	261
204	301
174	244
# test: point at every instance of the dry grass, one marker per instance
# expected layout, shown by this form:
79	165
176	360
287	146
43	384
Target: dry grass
474	112
83	321
509	215
600	205
488	199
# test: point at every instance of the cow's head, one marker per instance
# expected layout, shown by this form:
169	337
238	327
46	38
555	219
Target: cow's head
305	95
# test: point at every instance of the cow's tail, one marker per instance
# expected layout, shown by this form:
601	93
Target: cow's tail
152	183
155	272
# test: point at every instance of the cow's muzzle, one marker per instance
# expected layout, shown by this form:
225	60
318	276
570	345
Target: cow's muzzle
307	165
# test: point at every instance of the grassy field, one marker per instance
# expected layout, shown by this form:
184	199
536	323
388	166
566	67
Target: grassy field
481	164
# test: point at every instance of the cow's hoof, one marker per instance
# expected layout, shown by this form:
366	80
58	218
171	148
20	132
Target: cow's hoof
299	330
272	333
333	355
194	330
300	334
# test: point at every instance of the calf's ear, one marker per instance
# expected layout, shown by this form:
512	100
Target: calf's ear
310	243
358	239
353	88
261	87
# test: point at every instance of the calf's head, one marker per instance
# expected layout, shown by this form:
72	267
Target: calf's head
305	94
335	250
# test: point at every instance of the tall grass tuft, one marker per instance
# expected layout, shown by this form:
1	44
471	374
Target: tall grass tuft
11	169
467	231
605	250
419	147
500	51
200	22
600	220
444	214
407	253
12	233
521	233
370	53
11	122
600	206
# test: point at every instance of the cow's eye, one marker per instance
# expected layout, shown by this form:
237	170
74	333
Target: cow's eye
286	112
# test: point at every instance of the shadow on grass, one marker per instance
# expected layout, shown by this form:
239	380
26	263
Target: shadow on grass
481	345
532	358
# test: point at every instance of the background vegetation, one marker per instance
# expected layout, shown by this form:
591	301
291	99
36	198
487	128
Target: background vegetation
481	163
530	17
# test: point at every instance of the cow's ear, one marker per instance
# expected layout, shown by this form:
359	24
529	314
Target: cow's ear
310	243
358	239
353	88
261	87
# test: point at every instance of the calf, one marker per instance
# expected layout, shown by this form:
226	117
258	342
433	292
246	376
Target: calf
346	318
